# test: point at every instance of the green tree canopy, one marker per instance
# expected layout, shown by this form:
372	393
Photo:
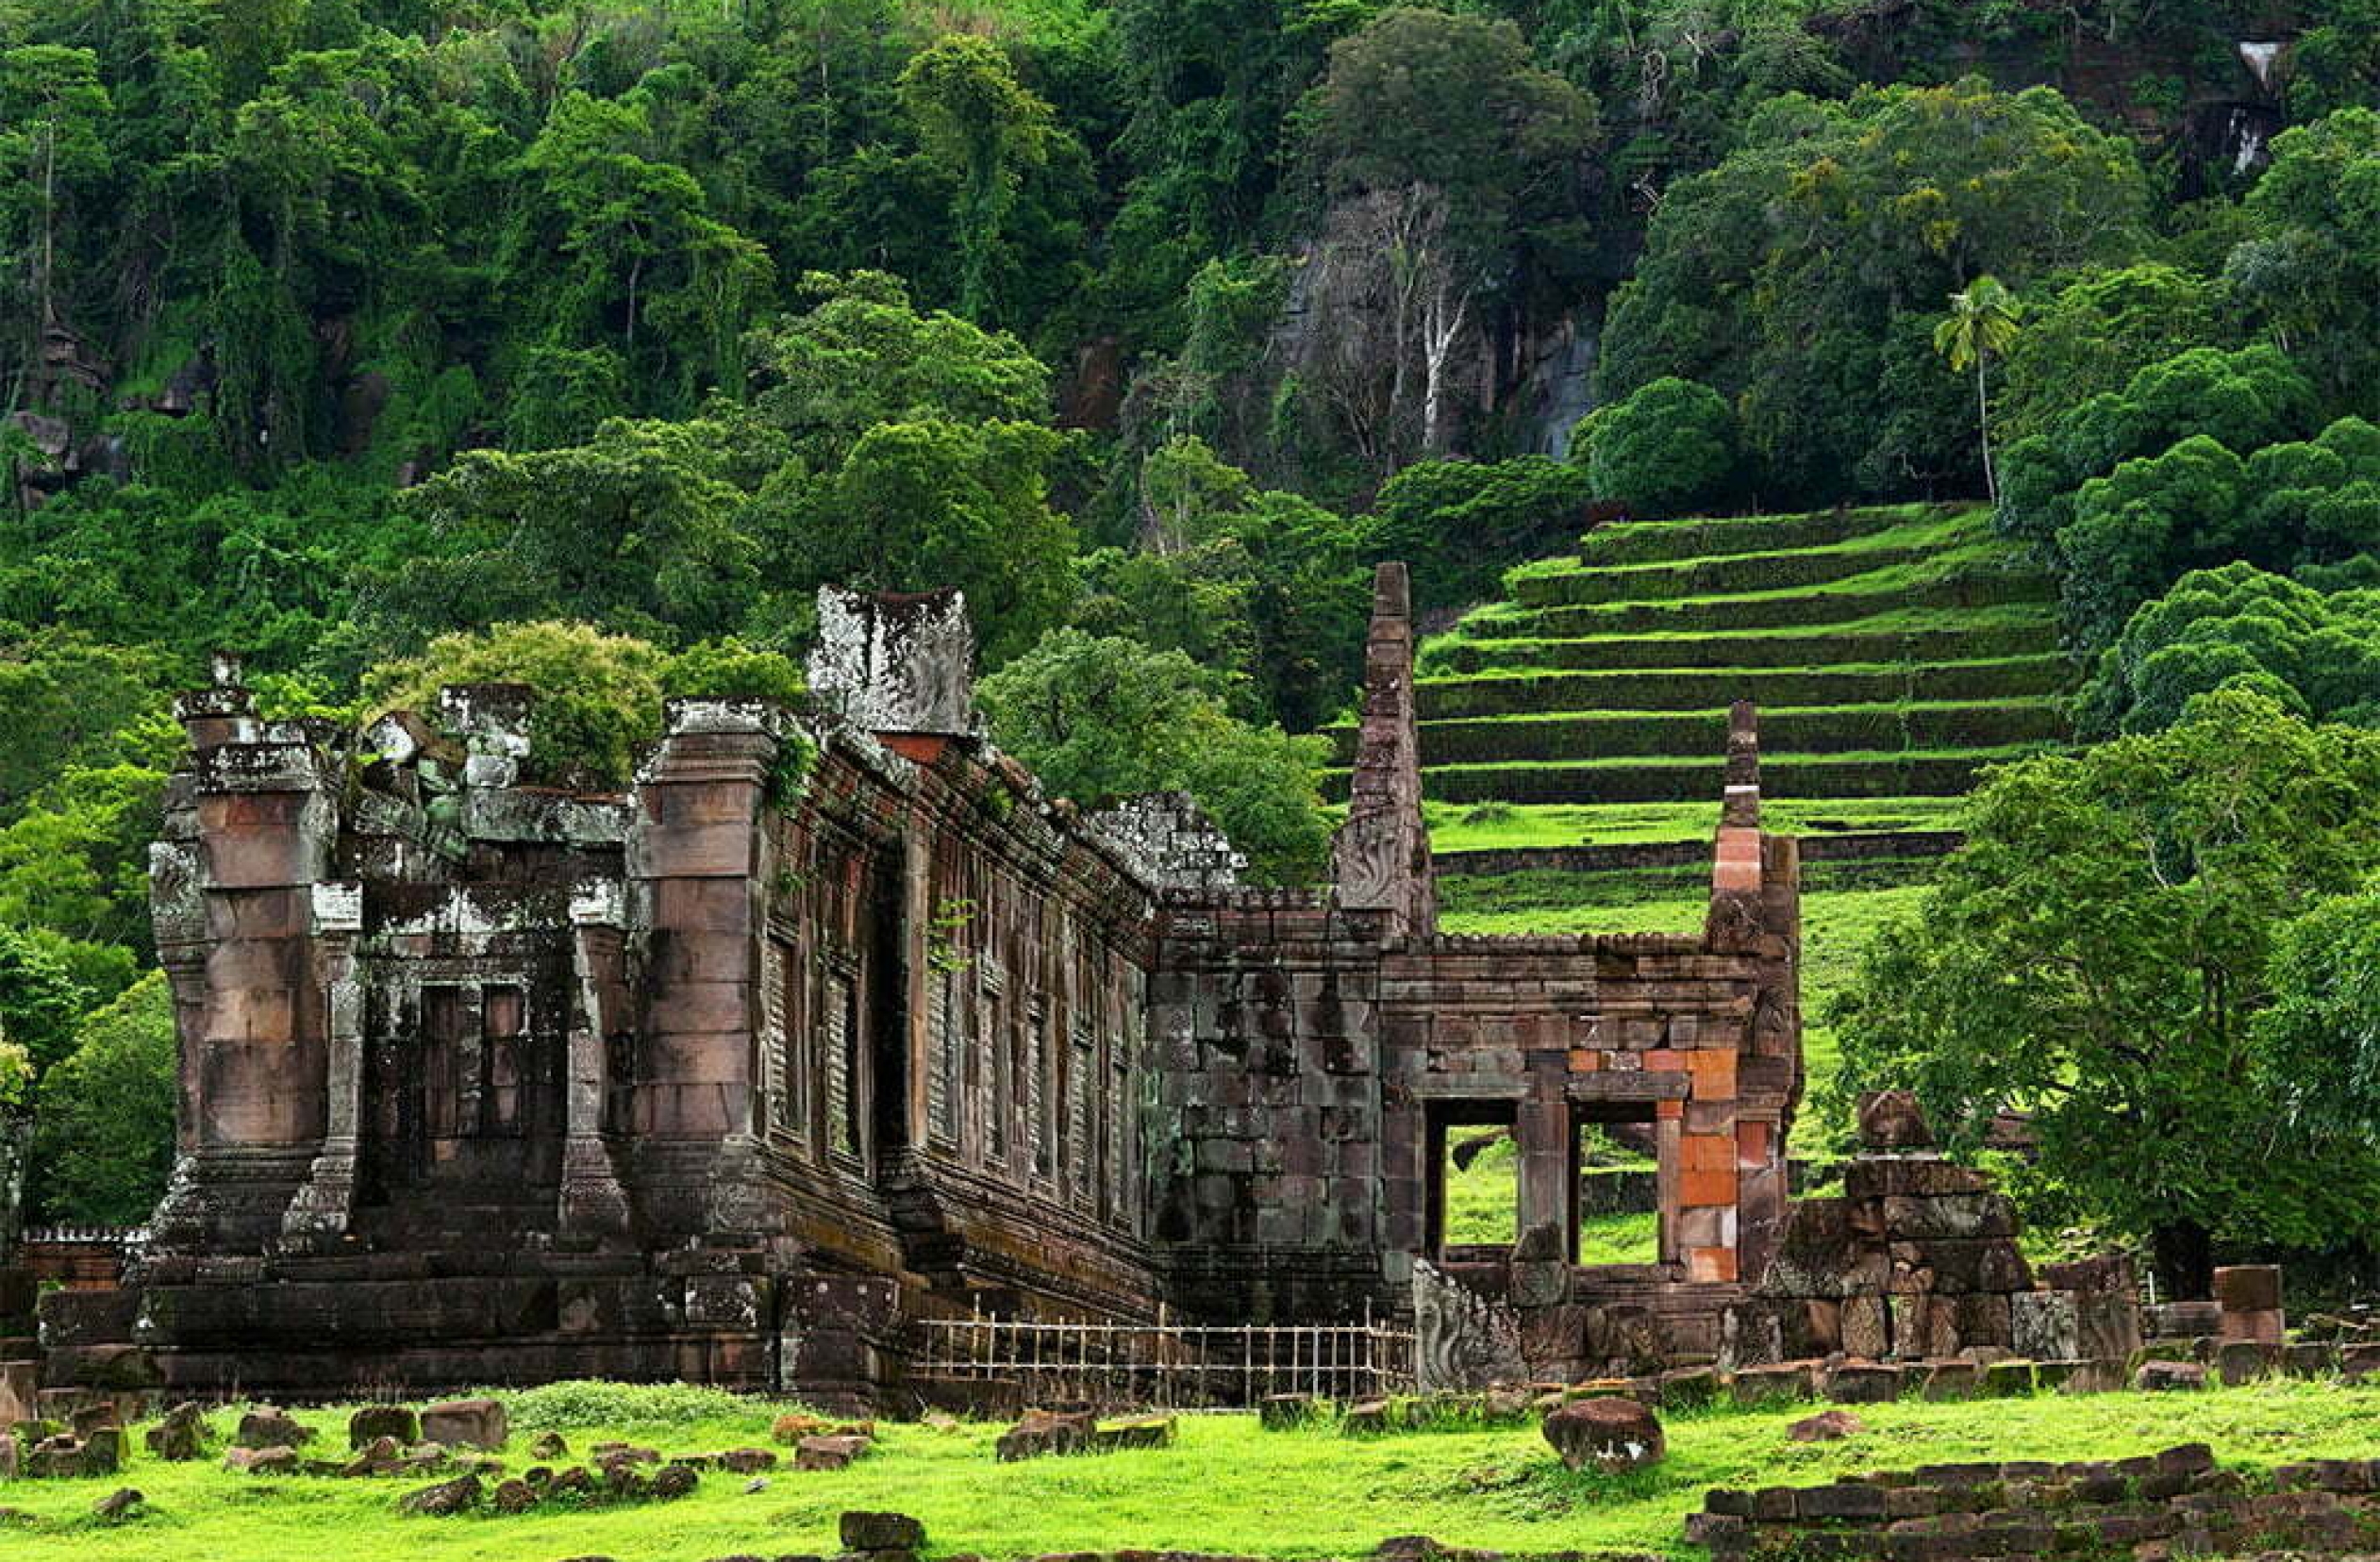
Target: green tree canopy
2318	651
103	1137
2096	958
1098	720
1781	277
1669	449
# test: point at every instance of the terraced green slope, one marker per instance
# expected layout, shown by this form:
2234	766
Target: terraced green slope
1893	651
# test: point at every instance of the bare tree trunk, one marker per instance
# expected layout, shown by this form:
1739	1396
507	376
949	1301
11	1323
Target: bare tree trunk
1983	427
1450	305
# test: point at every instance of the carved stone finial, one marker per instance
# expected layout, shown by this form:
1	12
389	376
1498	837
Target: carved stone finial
225	669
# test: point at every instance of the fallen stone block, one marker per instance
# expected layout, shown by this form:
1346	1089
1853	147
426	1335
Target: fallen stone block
1139	1432
466	1423
444	1500
2167	1376
1613	1435
1046	1431
1861	1384
872	1532
117	1506
1826	1426
373	1421
1769	1384
2242	1361
1279	1412
261	1461
267	1427
828	1453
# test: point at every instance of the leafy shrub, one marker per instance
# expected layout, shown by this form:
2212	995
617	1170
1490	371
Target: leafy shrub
1669	449
103	1136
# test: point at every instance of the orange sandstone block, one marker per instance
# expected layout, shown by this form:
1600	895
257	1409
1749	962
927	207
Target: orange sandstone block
1707	1152
1664	1060
1707	1187
1585	1060
1711	1264
1665	1110
1714	1074
1752	1145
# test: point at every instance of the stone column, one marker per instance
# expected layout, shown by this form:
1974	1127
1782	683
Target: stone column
591	1203
253	1011
699	858
323	1207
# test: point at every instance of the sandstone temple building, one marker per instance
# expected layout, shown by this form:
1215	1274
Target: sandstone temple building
834	1023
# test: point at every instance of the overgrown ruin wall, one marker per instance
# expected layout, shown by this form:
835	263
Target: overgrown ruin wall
834	1021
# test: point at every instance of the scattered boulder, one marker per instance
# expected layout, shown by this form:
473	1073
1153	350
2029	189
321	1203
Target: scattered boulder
794	1425
941	1421
375	1421
1044	1431
180	1437
1827	1426
1891	1119
879	1532
268	1427
1140	1432
549	1446
514	1497
673	1481
444	1500
828	1453
1612	1434
469	1423
1367	1417
2161	1376
117	1506
261	1461
744	1461
620	1453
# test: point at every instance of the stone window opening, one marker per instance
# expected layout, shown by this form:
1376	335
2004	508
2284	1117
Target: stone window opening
1473	1212
1615	1181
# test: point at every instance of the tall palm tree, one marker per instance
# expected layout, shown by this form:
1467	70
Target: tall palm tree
1982	319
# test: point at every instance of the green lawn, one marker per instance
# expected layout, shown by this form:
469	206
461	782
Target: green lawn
1225	1486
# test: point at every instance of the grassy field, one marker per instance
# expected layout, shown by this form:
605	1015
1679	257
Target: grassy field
1225	1486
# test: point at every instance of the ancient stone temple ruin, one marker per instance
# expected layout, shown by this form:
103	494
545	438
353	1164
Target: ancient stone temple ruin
834	1023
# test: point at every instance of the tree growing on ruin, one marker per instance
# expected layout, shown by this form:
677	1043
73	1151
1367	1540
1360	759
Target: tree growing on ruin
2098	956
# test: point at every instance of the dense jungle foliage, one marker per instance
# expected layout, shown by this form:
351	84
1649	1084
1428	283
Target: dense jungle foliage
392	340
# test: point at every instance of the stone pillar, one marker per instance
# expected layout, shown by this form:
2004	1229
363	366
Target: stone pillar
699	860
236	926
323	1207
591	1203
1548	1181
1380	859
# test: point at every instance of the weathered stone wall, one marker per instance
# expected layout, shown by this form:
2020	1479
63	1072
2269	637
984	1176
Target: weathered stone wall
824	1026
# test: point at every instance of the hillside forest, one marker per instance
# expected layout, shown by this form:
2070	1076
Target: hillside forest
391	342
